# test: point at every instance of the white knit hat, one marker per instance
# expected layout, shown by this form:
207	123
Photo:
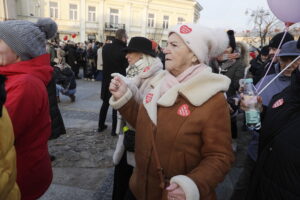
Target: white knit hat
205	42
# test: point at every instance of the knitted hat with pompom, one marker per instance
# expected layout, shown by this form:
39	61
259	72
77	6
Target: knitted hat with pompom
27	39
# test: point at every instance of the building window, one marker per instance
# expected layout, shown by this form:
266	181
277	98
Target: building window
166	22
92	37
92	13
151	20
114	16
180	20
53	9
73	12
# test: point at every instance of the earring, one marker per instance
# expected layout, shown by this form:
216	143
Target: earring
194	59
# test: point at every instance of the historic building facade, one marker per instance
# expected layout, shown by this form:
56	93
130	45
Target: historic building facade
99	19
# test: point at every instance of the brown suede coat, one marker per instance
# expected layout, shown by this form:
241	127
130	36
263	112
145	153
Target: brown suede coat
198	146
191	128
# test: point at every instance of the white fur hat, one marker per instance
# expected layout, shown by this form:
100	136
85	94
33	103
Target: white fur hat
205	42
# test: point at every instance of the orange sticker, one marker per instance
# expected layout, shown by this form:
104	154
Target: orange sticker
146	69
184	110
278	103
149	97
184	29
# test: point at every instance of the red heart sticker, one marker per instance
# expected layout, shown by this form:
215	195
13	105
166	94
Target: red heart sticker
184	29
149	97
278	103
146	69
184	110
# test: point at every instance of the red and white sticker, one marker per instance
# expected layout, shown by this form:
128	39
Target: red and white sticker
278	103
184	29
184	110
146	69
149	97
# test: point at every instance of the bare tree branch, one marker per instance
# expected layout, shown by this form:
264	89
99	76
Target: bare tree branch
263	23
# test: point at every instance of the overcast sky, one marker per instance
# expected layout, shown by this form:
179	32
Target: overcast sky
229	14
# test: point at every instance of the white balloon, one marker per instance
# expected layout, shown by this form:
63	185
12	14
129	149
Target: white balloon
286	10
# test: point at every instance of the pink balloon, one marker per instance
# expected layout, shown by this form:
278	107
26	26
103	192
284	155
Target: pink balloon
286	10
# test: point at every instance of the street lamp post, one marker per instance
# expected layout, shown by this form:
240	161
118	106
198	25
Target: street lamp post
259	18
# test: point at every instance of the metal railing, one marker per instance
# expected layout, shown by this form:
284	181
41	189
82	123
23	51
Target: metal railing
113	27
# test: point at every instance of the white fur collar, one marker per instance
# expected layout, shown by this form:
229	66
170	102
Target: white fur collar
197	91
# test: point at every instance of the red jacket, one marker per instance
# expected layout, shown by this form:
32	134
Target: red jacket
28	107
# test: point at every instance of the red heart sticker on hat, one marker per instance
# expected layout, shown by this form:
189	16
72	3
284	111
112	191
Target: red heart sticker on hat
184	29
184	110
278	103
149	97
146	69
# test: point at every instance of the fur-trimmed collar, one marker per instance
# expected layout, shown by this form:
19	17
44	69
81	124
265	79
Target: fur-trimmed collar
197	90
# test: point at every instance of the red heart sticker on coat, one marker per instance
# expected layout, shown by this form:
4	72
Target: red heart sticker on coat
278	103
184	110
149	97
146	69
184	29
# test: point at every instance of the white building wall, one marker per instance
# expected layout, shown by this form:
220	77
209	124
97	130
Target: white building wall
8	10
132	13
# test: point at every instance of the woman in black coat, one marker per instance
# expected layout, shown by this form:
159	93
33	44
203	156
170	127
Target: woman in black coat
277	172
57	123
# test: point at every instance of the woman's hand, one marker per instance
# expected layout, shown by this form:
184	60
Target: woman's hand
244	105
117	87
175	192
233	56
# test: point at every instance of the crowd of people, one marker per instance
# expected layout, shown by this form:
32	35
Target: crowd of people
174	110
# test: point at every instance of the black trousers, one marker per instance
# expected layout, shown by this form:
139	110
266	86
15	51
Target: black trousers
234	130
103	113
91	69
75	69
129	196
242	185
122	174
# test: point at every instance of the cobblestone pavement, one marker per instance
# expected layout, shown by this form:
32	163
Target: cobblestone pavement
83	168
82	149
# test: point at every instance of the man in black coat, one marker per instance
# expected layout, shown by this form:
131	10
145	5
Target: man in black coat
258	64
114	61
273	46
277	171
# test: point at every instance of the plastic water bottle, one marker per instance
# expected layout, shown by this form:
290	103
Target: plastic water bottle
250	99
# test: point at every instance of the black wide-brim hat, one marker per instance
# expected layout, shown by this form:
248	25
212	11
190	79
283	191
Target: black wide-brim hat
140	44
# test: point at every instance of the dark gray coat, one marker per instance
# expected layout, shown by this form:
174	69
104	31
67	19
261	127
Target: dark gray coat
236	71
